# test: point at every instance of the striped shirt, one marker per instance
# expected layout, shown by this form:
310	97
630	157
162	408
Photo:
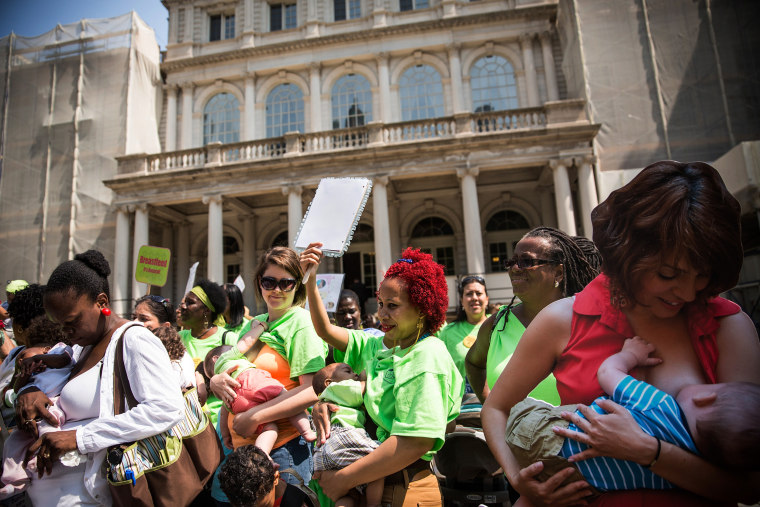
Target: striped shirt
658	414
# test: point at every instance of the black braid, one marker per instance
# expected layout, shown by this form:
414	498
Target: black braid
565	250
504	313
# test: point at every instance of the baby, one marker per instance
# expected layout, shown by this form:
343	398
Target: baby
717	420
256	386
337	383
48	367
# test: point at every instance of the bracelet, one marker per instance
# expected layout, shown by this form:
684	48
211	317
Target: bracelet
657	455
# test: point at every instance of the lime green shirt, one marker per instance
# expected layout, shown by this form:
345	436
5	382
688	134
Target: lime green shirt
233	358
294	338
503	344
241	328
459	337
413	392
348	395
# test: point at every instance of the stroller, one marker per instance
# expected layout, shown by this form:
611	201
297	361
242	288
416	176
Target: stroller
468	475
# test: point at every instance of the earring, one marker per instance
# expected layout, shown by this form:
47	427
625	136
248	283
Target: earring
105	311
205	321
556	284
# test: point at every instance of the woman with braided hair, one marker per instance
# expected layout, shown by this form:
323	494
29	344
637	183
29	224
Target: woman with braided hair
413	388
548	265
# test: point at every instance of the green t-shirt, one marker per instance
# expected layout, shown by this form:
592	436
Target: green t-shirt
233	358
414	392
198	350
503	345
294	338
240	329
459	337
348	395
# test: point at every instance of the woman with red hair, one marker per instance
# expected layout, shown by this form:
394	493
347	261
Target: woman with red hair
413	387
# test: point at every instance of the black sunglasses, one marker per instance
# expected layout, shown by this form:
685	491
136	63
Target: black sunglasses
285	284
526	262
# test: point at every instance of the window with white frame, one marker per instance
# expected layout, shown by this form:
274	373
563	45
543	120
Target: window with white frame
221	119
503	230
351	101
493	85
285	110
283	16
435	236
411	5
347	9
421	93
221	26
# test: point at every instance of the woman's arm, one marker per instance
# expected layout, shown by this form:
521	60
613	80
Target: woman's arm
476	360
332	334
391	456
285	405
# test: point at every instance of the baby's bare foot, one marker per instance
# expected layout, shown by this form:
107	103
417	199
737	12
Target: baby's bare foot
309	435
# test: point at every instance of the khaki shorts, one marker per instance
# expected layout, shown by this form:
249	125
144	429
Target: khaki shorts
422	492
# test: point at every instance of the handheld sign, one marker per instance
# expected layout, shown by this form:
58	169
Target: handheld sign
191	277
333	215
153	265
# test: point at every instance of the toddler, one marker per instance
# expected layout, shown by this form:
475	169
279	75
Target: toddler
48	367
717	420
337	383
256	386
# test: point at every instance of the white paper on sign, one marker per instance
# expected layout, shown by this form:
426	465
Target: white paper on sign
329	286
333	214
240	283
191	278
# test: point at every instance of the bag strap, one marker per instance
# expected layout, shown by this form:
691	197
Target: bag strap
121	387
311	495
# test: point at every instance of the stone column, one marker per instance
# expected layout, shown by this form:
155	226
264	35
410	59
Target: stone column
563	197
140	238
385	87
183	261
455	68
248	32
186	132
315	98
250	107
120	301
171	118
249	260
551	74
548	212
215	268
473	235
587	193
531	83
295	212
167	241
382	230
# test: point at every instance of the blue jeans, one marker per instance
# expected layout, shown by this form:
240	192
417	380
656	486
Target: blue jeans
296	454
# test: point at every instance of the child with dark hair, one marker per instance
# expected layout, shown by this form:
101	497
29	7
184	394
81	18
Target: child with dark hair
182	363
47	363
256	386
718	421
337	383
249	479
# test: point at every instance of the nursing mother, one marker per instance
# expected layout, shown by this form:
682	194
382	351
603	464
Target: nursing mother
413	387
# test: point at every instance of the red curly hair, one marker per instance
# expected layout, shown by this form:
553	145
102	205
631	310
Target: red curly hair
425	284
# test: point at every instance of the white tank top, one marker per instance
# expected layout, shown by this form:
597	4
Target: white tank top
80	397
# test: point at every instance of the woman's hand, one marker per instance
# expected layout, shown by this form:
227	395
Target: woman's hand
331	484
320	416
31	405
49	448
223	386
311	257
246	423
615	434
550	492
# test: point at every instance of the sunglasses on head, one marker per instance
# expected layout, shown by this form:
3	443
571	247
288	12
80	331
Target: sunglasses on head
472	278
270	282
526	262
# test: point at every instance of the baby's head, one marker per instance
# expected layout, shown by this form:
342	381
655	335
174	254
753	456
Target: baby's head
211	357
248	478
723	420
335	372
43	332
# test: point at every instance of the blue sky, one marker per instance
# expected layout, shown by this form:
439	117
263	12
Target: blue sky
34	17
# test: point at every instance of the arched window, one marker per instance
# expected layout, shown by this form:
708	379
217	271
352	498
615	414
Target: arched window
421	93
492	80
435	236
221	119
285	111
281	239
232	258
351	101
503	230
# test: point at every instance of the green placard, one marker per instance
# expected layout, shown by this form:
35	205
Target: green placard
153	265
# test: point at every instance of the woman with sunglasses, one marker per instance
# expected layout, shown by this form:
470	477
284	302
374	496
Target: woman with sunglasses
154	311
290	351
460	335
670	242
547	266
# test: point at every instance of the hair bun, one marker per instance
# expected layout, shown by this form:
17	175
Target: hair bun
95	260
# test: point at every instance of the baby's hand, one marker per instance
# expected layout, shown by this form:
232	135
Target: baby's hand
641	349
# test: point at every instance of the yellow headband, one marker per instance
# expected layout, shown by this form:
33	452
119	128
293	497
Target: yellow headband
198	291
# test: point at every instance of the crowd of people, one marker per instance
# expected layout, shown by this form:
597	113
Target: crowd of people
612	377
